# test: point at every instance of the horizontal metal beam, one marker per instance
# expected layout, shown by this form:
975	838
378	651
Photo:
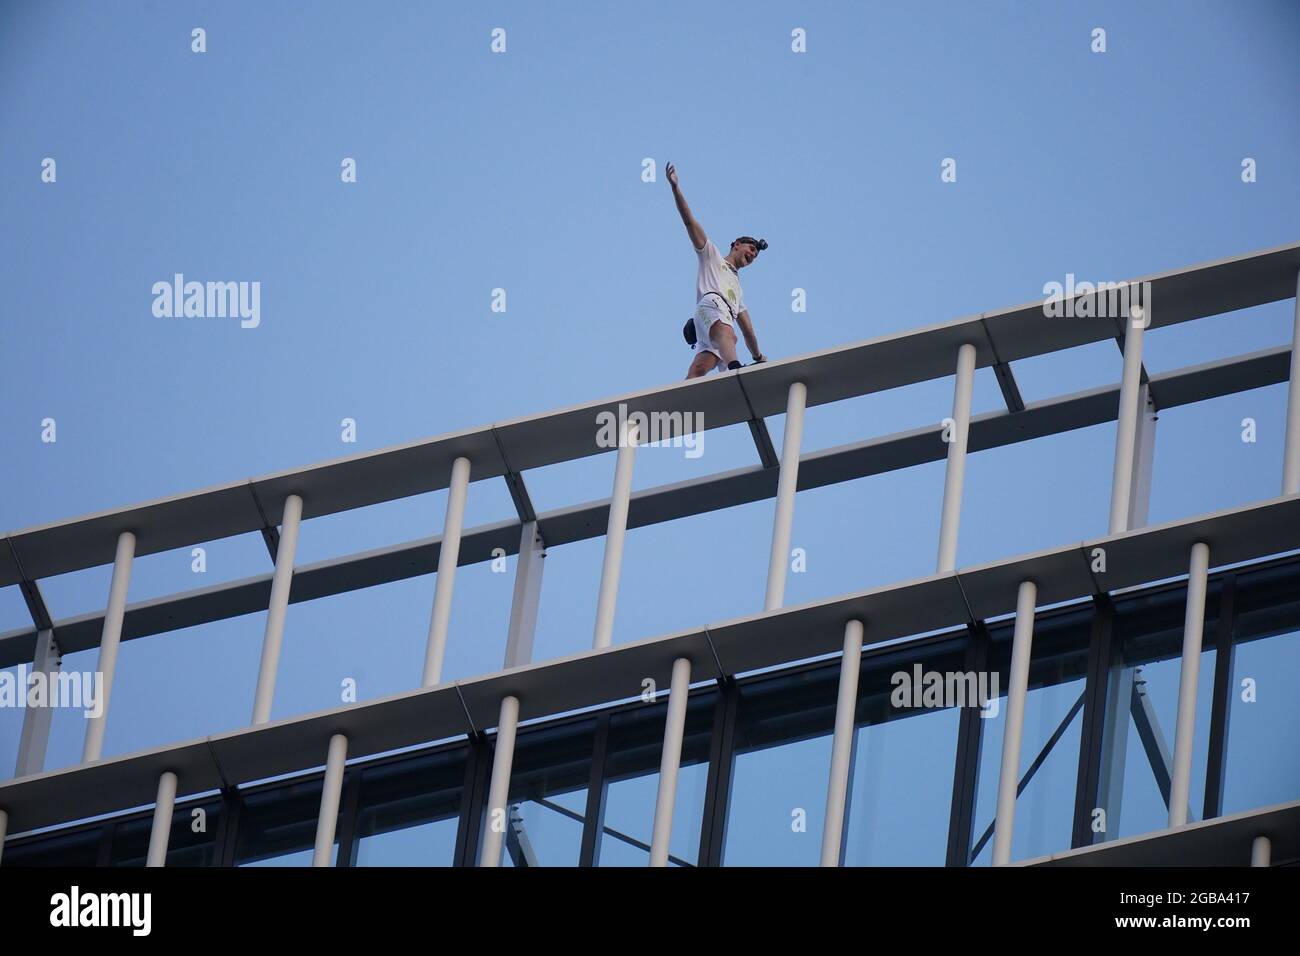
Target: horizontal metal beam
1222	841
861	368
252	595
652	506
594	678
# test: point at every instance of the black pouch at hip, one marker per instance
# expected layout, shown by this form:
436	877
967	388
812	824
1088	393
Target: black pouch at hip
688	331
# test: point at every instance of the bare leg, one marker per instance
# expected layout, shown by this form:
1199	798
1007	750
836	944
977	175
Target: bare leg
724	338
702	364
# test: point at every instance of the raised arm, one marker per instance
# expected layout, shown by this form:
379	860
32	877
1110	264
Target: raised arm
693	228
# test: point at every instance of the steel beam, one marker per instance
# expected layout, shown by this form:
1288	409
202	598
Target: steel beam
1144	451
846	707
1017	690
954	477
330	795
273	638
970	731
860	368
1221	706
1121	493
499	789
591	679
527	595
445	581
108	645
161	831
1291	448
1260	851
1093	748
788	480
670	762
615	533
1193	624
34	739
652	506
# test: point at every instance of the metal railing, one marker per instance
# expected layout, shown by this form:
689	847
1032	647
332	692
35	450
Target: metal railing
506	449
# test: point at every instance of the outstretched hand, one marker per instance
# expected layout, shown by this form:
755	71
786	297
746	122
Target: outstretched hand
671	172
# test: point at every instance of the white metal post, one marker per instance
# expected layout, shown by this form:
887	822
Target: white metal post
1291	452
788	480
445	580
275	612
1261	851
1114	745
615	532
108	644
1180	783
955	476
1144	451
34	739
837	792
330	796
528	590
1121	486
1017	689
163	809
503	756
670	761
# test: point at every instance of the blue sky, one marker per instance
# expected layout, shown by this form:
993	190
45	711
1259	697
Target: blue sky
522	171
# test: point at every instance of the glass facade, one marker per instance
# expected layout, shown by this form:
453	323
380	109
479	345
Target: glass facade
779	769
1094	764
548	795
1261	766
193	841
1142	708
409	811
277	825
1049	744
899	807
79	848
631	784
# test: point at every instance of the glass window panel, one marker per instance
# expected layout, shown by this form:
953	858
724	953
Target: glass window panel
1049	745
780	770
409	811
186	846
548	795
277	827
899	803
632	783
1142	711
1263	762
80	848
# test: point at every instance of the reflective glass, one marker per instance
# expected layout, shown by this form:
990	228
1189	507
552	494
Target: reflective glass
548	795
1262	765
1049	745
277	827
409	811
632	783
1142	711
193	839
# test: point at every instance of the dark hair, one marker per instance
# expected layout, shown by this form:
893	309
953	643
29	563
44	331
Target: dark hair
759	244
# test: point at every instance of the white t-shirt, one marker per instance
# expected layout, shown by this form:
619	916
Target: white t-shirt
717	275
